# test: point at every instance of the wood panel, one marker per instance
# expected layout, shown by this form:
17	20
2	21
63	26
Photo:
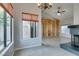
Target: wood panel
50	27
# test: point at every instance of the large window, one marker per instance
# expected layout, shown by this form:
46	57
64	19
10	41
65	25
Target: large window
29	25
5	28
65	29
29	29
1	28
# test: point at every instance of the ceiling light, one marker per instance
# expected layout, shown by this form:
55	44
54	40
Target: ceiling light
44	5
60	11
58	14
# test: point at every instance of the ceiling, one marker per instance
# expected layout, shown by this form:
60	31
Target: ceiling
52	12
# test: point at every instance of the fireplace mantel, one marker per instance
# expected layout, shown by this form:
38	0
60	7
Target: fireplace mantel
73	26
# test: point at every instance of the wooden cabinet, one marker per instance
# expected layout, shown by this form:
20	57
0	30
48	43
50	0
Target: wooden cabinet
50	27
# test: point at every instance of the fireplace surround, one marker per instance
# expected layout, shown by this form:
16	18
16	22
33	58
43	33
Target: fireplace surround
74	31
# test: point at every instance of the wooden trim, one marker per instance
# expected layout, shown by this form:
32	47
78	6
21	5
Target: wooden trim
29	13
31	17
2	5
30	20
11	5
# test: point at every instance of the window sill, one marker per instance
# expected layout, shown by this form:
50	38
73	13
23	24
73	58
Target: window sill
6	49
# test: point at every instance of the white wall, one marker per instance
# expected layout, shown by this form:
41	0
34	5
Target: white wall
67	21
76	13
28	8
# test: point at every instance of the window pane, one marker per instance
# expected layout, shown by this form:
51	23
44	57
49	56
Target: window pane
1	12
8	28
33	29
65	29
1	28
36	29
26	30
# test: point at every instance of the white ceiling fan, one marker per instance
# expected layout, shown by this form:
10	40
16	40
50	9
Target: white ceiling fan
60	11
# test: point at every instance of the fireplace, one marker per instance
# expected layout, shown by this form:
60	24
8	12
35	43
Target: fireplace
72	46
74	30
75	41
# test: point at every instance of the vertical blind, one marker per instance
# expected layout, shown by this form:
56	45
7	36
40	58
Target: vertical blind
29	17
8	7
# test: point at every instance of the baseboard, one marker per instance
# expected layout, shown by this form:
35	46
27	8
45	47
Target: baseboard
27	47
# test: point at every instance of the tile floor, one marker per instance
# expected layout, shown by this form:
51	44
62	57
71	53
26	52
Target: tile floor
50	47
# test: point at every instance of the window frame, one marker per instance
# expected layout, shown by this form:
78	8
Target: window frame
10	29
